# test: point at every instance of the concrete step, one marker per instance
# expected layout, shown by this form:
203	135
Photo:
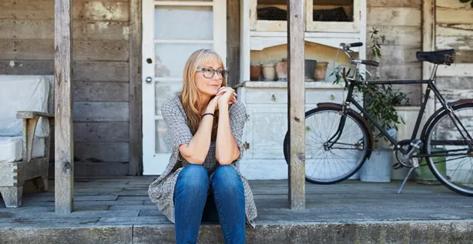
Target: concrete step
451	231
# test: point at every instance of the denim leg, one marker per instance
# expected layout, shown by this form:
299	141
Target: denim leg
229	197
190	195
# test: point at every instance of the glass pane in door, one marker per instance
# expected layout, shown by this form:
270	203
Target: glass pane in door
183	23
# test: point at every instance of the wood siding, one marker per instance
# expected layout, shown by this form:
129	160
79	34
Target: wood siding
401	23
101	77
454	29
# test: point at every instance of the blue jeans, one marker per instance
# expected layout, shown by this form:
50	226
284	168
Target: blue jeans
190	200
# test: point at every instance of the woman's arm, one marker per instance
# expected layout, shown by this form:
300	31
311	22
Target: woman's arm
196	150
227	149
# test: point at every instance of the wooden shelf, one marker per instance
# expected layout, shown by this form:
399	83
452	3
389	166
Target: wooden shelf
283	84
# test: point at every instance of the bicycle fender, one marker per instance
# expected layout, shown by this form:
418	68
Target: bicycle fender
337	106
439	111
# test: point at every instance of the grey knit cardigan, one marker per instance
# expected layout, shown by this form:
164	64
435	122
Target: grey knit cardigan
161	190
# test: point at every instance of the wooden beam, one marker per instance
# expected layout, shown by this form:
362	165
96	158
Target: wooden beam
135	112
428	44
64	148
296	100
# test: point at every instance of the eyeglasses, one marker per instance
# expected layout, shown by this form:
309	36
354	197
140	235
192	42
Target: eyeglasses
209	73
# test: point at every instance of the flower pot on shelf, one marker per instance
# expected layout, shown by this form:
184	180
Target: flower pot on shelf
320	71
281	70
255	72
309	69
269	72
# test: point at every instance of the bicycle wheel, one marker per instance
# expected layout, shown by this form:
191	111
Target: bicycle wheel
327	165
449	155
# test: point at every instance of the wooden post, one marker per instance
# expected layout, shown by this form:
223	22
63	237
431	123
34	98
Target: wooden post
135	128
428	44
296	100
64	149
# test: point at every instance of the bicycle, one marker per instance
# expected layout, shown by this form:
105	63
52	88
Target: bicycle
338	140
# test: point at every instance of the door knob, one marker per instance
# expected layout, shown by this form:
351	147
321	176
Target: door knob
149	79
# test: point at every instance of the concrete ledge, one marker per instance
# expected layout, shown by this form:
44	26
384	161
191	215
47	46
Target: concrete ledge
456	231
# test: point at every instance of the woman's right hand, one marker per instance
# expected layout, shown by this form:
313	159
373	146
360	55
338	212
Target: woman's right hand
212	106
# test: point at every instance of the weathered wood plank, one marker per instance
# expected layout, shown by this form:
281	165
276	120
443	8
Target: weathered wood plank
82	29
390	3
456	70
296	97
398	55
101	71
455	82
101	132
100	111
233	41
25	67
101	152
31	49
394	16
94	169
455	42
112	10
64	146
405	36
26	9
453	30
135	93
85	91
464	56
113	50
455	4
454	16
26	29
401	71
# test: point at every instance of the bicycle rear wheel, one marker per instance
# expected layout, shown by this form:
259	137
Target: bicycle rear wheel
325	164
450	155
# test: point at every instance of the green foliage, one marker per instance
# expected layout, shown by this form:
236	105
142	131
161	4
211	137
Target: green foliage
376	40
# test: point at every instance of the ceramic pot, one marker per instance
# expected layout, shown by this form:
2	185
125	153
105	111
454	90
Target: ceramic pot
269	72
255	72
309	68
281	70
320	71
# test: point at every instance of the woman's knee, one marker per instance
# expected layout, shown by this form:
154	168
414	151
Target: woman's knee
194	177
226	176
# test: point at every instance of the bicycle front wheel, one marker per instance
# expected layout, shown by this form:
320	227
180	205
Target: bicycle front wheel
449	151
329	160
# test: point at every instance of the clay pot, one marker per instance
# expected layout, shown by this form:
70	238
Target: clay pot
269	72
309	68
320	71
255	72
281	70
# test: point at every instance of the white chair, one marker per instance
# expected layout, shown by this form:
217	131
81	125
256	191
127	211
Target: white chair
24	134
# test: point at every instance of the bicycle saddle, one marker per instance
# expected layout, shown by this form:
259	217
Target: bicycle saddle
437	57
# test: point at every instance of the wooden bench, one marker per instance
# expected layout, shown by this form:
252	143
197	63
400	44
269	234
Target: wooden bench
24	134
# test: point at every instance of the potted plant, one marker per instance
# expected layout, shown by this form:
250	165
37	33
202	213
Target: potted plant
380	102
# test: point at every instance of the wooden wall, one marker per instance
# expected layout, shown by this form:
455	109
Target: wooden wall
401	23
454	29
100	73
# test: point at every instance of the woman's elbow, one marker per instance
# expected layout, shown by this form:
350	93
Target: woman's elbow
192	157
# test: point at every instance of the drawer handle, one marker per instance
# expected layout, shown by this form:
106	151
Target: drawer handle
273	97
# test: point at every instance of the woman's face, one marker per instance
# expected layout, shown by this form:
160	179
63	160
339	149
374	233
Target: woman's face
208	82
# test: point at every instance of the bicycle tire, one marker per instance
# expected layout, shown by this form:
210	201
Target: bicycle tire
448	155
323	173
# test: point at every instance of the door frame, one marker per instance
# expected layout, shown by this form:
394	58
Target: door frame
148	45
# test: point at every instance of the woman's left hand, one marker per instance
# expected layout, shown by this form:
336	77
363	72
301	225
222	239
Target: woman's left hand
229	96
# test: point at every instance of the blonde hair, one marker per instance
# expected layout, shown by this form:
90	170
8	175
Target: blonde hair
189	95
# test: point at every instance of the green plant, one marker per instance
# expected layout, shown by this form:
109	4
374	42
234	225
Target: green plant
379	100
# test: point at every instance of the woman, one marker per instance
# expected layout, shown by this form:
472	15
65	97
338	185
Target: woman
205	123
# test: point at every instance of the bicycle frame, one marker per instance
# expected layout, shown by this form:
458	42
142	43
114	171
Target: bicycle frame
430	87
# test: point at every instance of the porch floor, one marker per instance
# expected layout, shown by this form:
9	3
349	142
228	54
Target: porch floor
118	210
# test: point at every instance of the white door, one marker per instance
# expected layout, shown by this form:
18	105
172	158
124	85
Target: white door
172	30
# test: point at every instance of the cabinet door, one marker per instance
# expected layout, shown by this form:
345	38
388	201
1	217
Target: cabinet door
333	16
